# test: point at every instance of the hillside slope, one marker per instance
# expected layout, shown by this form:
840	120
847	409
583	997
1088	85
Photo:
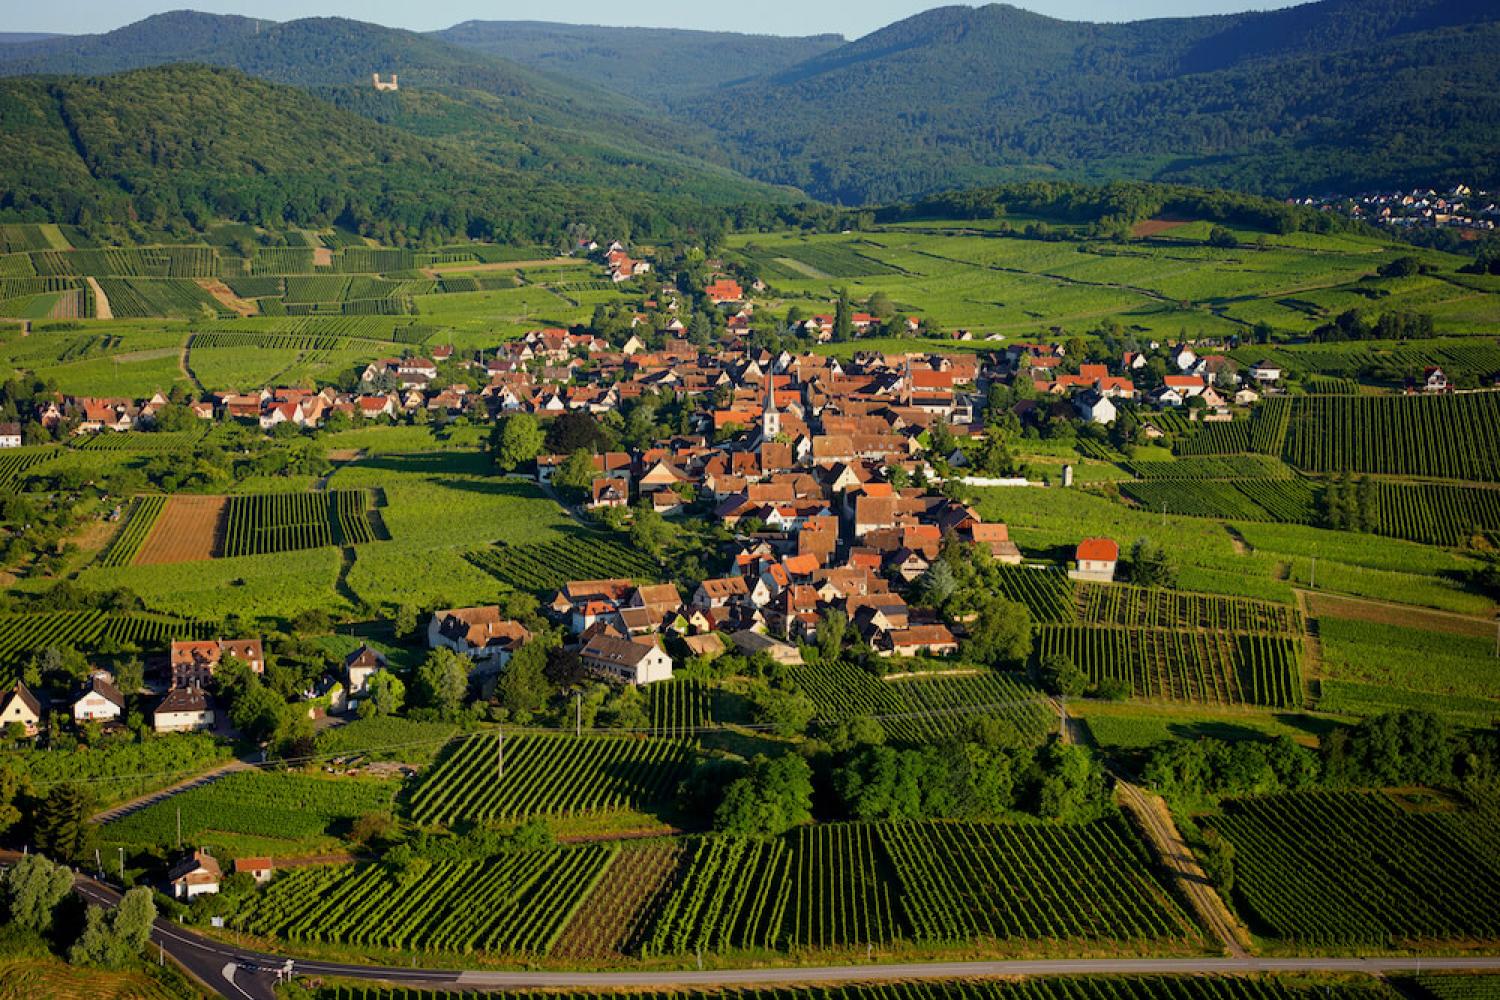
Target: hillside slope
649	64
178	146
1336	94
569	130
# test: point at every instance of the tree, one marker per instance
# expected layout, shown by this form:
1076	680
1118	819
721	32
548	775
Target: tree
441	681
649	532
130	676
575	431
31	889
773	796
406	621
110	940
1218	236
1072	785
523	685
831	631
1001	636
576	474
256	713
788	713
843	323
1060	675
518	440
61	827
385	693
1151	565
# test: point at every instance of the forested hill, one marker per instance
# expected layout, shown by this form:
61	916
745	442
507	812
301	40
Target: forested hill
184	145
1332	95
567	131
651	64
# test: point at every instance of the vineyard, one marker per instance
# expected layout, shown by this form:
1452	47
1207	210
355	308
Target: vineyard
1290	501
15	461
514	904
255	803
1439	437
1225	467
1034	988
148	629
923	709
1216	668
677	709
547	775
1346	868
1047	593
132	298
152	443
261	523
613	918
841	885
1437	514
1157	607
21	635
546	566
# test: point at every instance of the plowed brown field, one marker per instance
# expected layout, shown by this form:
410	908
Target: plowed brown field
188	529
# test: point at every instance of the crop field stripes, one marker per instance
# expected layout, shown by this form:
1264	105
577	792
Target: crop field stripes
547	775
269	341
139	520
144	442
515	904
24	634
1436	437
613	918
545	566
1047	593
257	524
678	709
149	628
1290	501
1122	604
1155	987
1217	668
14	463
1437	513
1349	868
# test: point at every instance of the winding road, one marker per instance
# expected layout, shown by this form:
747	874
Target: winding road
242	974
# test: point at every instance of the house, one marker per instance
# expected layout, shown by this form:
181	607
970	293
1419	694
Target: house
1434	380
707	646
713	594
193	663
1095	407
627	661
918	640
10	435
100	700
1096	559
996	537
184	710
195	875
724	290
749	643
608	493
21	706
1265	371
358	666
260	869
478	633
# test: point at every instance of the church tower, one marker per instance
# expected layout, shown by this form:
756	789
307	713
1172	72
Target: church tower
770	420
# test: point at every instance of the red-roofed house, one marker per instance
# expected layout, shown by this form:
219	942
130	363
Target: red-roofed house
1096	558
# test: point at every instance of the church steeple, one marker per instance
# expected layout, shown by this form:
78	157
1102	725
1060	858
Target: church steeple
770	419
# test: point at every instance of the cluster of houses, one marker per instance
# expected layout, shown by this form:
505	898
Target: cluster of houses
1459	207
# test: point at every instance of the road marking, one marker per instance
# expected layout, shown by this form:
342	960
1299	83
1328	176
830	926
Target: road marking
228	973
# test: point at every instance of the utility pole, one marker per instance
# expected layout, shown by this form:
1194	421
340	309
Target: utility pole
98	863
122	866
499	752
1163	513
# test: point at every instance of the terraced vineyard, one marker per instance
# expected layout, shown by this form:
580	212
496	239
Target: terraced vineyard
1218	668
545	566
1347	868
257	524
15	461
1157	607
514	904
924	708
547	775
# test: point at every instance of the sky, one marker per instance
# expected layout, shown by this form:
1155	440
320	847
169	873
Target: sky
851	18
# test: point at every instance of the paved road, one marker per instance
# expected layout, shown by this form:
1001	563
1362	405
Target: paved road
242	974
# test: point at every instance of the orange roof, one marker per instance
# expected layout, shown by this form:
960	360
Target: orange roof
1098	550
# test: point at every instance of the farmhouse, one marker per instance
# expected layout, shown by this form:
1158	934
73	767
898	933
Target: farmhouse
260	869
626	660
478	633
1096	560
10	435
359	666
21	707
184	710
193	663
100	700
195	875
